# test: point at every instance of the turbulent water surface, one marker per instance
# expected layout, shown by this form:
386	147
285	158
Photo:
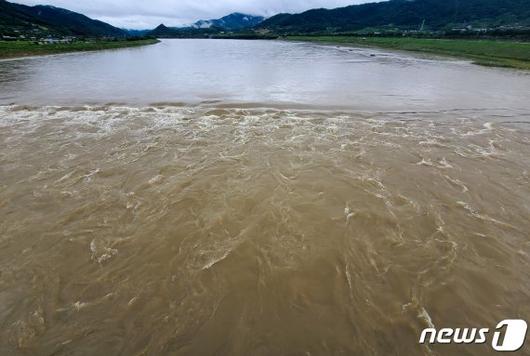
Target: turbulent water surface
310	213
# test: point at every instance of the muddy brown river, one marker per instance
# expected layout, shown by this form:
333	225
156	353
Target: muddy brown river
260	198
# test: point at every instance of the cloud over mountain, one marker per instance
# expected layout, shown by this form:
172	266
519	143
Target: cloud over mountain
148	14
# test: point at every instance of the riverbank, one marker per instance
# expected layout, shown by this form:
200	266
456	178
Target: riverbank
14	49
497	53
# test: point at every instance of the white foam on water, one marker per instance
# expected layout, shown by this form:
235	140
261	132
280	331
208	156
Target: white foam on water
424	315
214	261
78	306
425	162
458	183
101	254
156	179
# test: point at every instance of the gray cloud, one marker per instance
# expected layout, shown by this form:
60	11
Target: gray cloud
147	14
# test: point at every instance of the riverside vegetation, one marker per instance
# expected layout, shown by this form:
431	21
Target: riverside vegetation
500	53
12	49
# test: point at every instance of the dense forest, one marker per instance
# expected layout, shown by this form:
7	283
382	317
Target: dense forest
406	15
41	20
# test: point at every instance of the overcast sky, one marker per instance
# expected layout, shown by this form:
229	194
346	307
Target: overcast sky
141	14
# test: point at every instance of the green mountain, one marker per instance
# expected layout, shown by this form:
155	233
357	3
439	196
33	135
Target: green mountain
38	21
163	31
232	22
405	14
207	28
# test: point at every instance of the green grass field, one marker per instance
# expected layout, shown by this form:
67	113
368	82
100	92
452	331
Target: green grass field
501	53
13	49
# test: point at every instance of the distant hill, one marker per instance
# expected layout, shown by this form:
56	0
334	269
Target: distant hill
136	33
206	28
232	22
405	14
16	20
162	31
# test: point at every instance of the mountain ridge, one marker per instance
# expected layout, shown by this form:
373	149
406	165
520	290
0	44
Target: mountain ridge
163	31
42	20
203	28
403	14
233	21
21	21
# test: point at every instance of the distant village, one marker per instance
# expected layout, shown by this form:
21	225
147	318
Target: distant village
41	37
41	41
452	31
